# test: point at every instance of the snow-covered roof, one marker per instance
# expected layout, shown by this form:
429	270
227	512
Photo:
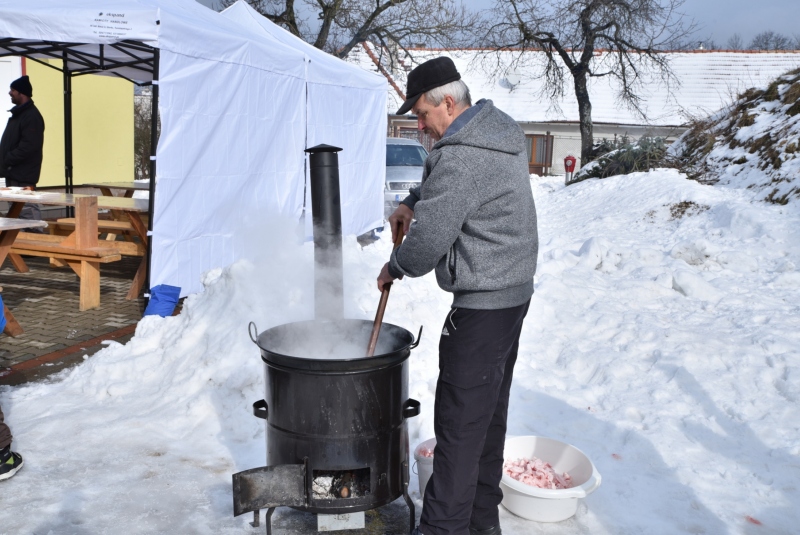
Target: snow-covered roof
707	81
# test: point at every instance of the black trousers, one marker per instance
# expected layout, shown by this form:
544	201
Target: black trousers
477	352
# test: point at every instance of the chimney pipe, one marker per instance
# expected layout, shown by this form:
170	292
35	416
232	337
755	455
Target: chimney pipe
326	215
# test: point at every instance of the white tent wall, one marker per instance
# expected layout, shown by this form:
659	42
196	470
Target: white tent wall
230	158
346	108
346	117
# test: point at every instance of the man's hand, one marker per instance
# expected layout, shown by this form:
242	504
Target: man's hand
384	278
402	216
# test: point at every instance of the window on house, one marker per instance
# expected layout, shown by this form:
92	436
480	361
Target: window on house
540	150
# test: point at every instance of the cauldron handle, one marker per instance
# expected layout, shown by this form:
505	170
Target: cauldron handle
415	343
250	328
410	408
261	409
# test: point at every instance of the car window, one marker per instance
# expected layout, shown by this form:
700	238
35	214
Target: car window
411	155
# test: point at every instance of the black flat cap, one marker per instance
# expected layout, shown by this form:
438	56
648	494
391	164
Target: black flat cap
431	74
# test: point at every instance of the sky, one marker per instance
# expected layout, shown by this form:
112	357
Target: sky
718	19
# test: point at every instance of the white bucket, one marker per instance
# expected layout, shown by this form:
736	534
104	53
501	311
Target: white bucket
424	463
548	505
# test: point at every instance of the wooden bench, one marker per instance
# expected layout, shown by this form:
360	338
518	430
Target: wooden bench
66	226
81	250
84	261
9	231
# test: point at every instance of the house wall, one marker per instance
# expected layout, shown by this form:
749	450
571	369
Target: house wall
567	137
102	125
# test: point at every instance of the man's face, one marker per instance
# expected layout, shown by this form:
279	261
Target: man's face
434	120
17	98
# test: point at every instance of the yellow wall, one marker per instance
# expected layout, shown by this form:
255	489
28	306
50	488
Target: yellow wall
102	126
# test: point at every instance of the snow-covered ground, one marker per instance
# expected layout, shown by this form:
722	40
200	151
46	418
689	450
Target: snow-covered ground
663	340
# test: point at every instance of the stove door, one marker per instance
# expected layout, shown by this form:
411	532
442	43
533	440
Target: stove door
269	486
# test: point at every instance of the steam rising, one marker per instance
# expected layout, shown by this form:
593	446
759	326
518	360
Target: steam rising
334	340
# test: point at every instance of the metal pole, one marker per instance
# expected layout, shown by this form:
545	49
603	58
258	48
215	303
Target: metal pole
67	130
153	148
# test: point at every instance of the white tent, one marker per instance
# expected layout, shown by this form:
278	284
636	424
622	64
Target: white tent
233	112
347	109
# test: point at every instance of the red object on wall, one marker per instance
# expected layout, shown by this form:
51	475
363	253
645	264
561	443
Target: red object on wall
569	163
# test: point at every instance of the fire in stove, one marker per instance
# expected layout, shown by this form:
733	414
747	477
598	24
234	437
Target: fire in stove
338	485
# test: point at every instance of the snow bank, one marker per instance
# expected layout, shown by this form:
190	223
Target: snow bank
662	341
754	143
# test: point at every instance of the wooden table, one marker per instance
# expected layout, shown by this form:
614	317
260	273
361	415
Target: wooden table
127	187
9	230
84	238
124	211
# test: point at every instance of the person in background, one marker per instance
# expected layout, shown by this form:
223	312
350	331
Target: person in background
21	144
10	462
474	222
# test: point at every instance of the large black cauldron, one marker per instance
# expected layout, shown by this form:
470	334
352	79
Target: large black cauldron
337	439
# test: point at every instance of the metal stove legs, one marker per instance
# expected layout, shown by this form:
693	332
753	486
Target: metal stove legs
411	512
269	520
257	521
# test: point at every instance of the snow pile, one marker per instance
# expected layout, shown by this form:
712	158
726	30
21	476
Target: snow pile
662	341
754	143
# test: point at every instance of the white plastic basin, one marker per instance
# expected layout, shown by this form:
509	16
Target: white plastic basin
548	505
424	465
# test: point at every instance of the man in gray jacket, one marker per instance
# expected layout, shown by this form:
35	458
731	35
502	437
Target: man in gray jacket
473	220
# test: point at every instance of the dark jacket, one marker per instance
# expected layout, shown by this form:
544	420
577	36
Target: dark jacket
475	216
21	145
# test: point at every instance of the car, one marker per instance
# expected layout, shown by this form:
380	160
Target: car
404	163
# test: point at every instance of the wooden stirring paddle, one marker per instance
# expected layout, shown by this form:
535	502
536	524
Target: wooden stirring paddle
376	325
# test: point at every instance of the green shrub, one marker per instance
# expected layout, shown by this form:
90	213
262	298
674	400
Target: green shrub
647	153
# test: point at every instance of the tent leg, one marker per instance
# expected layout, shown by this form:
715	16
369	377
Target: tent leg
153	149
68	131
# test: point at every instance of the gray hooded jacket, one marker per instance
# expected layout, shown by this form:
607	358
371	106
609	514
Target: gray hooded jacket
475	220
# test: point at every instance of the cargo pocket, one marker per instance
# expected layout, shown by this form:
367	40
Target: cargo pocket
462	394
467	377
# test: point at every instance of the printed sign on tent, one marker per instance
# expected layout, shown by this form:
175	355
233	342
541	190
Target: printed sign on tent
117	25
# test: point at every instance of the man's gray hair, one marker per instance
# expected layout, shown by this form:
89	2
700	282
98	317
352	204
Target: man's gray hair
458	90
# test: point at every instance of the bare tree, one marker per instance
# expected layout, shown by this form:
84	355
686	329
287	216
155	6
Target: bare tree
770	40
395	24
735	42
633	33
141	135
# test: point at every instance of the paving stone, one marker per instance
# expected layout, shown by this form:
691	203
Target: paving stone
45	302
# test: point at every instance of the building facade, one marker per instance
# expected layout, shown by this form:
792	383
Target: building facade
703	82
